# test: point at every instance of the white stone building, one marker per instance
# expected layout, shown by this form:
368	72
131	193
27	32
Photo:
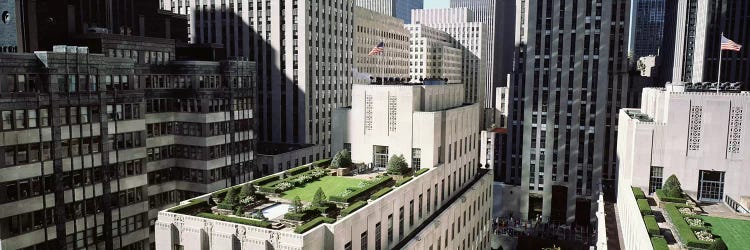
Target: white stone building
433	54
473	40
699	136
371	28
446	207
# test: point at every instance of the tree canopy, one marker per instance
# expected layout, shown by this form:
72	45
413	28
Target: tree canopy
397	165
342	159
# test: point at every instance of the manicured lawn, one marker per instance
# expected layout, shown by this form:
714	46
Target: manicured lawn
332	185
734	232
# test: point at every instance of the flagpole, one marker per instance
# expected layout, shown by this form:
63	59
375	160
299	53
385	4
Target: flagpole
718	80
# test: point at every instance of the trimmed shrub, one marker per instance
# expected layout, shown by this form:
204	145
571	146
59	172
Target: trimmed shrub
638	193
342	159
363	192
651	226
397	165
644	207
672	187
298	170
421	171
380	193
255	223
353	207
665	198
319	197
322	163
265	180
305	215
190	208
313	223
659	243
247	190
686	233
266	189
403	180
718	245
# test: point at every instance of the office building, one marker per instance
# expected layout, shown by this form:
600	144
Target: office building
445	205
564	97
304	54
400	9
471	38
433	54
699	25
277	157
647	18
370	29
691	131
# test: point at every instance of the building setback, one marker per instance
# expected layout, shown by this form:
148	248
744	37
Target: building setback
371	28
433	54
564	97
400	9
472	39
304	54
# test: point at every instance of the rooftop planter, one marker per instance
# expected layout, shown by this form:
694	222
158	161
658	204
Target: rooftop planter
312	224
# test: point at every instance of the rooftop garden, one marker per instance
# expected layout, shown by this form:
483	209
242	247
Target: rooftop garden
635	114
304	197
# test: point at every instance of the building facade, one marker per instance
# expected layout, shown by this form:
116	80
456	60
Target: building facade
400	9
648	17
699	25
472	38
277	157
371	28
433	54
695	134
304	54
572	68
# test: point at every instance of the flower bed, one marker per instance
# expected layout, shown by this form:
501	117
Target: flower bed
362	192
695	222
290	182
686	232
686	211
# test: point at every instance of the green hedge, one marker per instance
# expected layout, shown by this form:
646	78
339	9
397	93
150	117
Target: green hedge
324	162
644	207
421	171
238	220
270	187
265	180
659	243
363	192
686	233
353	207
298	170
638	193
380	193
664	198
651	226
313	223
403	180
220	194
189	208
305	215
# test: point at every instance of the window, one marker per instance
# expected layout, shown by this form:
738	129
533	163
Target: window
655	181
390	227
416	158
380	156
401	223
411	213
428	201
363	240
7	117
377	236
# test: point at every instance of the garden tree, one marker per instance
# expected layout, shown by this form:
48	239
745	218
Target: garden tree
342	159
319	198
397	165
297	204
231	199
247	190
672	187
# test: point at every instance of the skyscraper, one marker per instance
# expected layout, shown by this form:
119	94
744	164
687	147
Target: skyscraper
567	88
471	37
697	41
397	8
648	20
370	29
303	50
433	54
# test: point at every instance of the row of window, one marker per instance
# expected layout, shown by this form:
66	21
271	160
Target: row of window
197	129
26	188
34	152
170	197
23	223
198	152
188	81
197	105
33	118
192	175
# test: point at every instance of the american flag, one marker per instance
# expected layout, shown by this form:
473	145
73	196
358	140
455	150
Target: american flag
377	50
727	44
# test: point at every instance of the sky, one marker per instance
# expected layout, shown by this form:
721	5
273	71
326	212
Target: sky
435	4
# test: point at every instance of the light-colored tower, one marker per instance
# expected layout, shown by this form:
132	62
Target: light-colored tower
570	82
397	8
371	28
433	54
304	54
471	37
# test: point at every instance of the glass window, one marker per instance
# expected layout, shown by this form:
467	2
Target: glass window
20	117
655	182
7	117
32	118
